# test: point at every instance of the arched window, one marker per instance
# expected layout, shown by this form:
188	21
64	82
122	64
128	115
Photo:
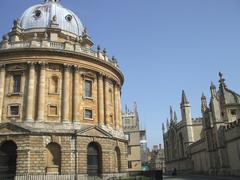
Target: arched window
53	164
173	145
8	158
181	145
94	159
117	159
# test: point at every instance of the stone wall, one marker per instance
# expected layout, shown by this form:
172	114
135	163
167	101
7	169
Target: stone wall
31	153
232	135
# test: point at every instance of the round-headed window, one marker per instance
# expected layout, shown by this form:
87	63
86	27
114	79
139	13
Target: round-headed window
37	14
69	18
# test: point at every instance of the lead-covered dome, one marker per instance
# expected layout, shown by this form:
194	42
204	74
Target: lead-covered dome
51	11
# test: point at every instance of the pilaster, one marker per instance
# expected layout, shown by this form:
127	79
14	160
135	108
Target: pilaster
116	108
41	92
100	99
2	82
76	96
30	95
106	89
66	93
119	107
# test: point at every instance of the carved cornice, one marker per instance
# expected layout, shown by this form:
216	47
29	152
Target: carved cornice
31	64
42	65
76	68
89	74
2	66
66	67
16	68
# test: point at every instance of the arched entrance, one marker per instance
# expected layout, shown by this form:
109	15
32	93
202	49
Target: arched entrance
94	159
53	158
117	159
8	158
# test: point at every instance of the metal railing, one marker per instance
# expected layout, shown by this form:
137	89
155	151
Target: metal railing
43	177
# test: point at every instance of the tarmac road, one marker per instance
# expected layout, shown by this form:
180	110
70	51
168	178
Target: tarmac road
199	178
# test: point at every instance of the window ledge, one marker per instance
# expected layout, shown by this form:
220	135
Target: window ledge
49	115
88	119
55	94
15	94
88	98
13	116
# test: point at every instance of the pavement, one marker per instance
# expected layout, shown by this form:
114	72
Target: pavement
199	177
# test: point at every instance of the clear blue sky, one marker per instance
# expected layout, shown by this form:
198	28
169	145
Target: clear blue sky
163	46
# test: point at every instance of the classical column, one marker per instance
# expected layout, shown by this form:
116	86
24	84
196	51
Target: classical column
106	101
66	94
2	86
100	99
119	107
30	93
116	114
76	95
41	92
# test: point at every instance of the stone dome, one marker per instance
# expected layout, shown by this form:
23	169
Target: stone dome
50	12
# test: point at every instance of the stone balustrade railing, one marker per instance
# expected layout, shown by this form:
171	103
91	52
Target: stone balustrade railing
58	45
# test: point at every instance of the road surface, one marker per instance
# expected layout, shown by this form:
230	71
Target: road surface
199	178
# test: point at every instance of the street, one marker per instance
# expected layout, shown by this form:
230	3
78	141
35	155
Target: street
198	178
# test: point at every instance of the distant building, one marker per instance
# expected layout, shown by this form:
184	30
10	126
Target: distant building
157	161
137	143
210	144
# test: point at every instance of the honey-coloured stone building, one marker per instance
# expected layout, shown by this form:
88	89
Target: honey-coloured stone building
60	101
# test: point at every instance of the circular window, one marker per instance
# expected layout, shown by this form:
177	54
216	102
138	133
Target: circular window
37	14
69	18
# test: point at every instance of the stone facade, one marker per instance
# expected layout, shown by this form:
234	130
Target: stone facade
60	102
137	144
157	161
209	144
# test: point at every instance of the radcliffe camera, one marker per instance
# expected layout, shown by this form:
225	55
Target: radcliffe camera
86	86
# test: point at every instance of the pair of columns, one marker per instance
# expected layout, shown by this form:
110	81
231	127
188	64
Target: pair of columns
103	98
104	102
31	90
42	94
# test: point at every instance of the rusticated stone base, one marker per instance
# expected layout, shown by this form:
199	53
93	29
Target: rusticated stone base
64	177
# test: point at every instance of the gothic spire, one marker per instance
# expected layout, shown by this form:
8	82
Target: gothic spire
136	112
126	108
175	117
213	90
163	128
167	124
171	114
212	86
203	103
184	98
